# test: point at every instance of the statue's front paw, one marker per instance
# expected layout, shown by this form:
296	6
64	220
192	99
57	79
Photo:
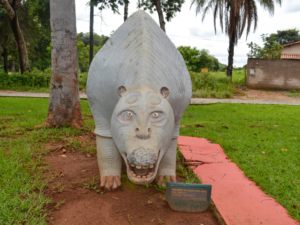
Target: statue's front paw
162	180
110	182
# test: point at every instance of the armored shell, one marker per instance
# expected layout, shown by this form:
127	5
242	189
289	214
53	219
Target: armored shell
138	55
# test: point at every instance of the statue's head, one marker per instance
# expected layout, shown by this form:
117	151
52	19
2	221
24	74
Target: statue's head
142	127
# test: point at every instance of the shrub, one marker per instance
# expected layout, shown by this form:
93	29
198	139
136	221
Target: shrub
35	78
211	86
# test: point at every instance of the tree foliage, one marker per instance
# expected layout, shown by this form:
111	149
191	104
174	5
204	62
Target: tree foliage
33	16
270	50
169	7
113	4
98	40
284	37
196	59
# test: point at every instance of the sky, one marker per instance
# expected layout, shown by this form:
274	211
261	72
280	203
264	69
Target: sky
187	29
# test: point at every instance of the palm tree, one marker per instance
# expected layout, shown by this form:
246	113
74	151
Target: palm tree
238	14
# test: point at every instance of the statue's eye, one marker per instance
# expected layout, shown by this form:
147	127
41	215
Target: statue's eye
126	116
158	118
155	115
130	114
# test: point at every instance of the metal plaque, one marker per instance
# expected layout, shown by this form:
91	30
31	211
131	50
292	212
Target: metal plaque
188	197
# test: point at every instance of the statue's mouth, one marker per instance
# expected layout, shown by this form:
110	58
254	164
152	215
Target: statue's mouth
141	174
140	171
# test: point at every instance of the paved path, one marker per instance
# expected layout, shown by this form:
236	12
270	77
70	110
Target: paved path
200	101
238	200
194	101
32	95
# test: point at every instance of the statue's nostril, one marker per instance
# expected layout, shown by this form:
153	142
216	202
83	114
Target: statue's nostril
149	130
137	129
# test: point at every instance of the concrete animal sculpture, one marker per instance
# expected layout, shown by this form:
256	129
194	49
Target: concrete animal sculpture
138	88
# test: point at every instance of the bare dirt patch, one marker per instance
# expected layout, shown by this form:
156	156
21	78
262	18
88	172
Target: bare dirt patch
244	93
78	176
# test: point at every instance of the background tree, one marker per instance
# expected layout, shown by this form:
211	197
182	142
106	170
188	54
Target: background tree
11	8
238	14
91	32
125	11
271	49
64	102
284	37
196	59
5	37
169	7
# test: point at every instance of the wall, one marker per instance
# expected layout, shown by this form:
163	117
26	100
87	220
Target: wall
293	49
273	74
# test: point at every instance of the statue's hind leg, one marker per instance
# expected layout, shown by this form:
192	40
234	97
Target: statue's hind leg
109	162
167	166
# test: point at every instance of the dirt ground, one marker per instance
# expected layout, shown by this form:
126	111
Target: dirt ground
78	176
243	93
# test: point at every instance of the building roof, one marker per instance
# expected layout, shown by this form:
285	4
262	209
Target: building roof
287	45
290	56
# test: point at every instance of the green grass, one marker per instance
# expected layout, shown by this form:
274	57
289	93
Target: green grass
254	140
216	84
21	162
263	140
294	94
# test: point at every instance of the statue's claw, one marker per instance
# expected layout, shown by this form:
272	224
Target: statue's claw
161	179
110	182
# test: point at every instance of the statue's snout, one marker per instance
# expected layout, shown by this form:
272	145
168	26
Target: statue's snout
142	156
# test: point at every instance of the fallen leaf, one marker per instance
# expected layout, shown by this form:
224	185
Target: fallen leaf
263	152
63	156
279	143
29	110
61	174
64	150
225	127
284	149
275	125
295	207
88	155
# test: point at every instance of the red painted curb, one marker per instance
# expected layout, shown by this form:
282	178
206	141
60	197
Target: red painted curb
238	200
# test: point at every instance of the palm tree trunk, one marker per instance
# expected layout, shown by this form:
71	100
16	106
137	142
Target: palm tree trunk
230	56
160	15
125	11
64	102
91	33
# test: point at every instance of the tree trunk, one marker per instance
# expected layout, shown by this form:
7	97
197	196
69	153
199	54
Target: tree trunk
125	11
5	62
64	102
91	33
160	15
13	65
11	9
23	56
230	56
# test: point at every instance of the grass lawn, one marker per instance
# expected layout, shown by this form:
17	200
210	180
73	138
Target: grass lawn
21	158
263	140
